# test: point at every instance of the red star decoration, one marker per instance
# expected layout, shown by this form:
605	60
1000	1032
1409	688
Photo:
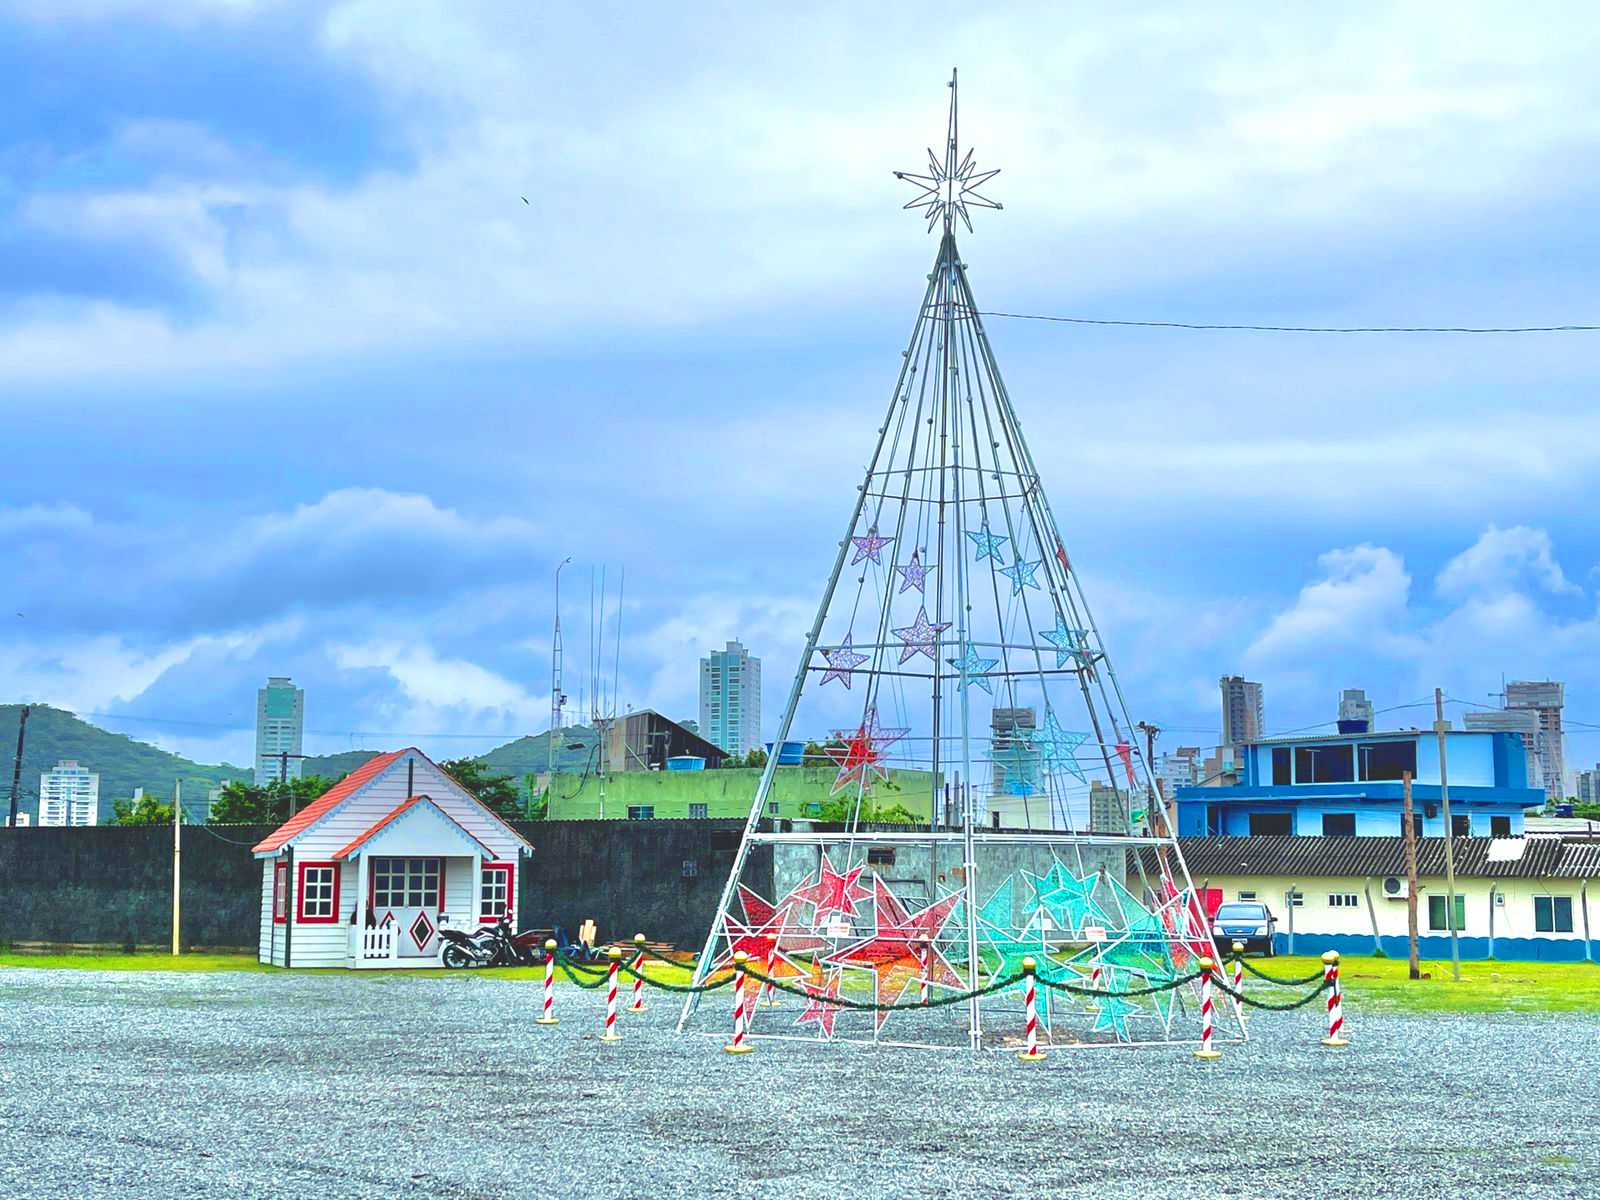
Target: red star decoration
905	948
861	756
768	936
833	892
817	1012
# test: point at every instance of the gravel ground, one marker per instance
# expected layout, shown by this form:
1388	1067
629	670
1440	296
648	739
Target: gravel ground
135	1084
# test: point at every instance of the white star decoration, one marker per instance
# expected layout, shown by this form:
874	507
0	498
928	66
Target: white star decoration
952	182
842	661
920	636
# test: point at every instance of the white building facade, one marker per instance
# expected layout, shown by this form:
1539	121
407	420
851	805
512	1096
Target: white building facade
69	794
280	730
730	699
1545	698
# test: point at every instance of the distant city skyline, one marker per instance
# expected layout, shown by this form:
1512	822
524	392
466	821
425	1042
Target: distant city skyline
280	731
69	794
730	699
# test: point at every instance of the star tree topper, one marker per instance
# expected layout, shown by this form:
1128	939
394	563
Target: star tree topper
952	183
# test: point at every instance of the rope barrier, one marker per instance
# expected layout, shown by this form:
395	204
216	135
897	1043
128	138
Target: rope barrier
873	1006
1260	974
1252	1002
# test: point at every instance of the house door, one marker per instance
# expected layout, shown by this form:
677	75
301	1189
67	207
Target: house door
410	892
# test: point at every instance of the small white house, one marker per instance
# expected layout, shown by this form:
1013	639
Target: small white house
365	875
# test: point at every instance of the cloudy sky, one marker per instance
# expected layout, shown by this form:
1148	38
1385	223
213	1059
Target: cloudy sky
294	381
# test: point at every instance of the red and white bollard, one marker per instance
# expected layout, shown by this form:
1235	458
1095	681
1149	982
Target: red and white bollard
549	1017
638	975
926	959
1238	979
1030	1001
739	1045
1330	972
611	1034
1208	1013
769	994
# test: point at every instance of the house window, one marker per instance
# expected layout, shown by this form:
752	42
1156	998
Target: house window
1331	763
406	883
641	812
1416	824
495	885
698	812
1387	760
1552	914
1280	766
280	876
1460	825
1296	899
1436	910
1271	824
1338	824
1499	826
1343	900
1214	820
994	819
1247	895
880	856
317	893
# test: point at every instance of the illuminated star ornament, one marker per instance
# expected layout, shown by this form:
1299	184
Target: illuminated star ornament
1021	573
861	756
988	544
842	661
832	892
1059	748
920	636
913	574
1070	644
973	669
905	948
869	547
818	1011
951	185
1019	761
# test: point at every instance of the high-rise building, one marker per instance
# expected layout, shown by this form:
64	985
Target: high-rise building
730	699
280	727
1244	715
1545	697
69	795
1589	786
1354	706
1178	770
1521	721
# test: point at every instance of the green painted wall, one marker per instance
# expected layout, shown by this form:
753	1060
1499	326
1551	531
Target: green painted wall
725	793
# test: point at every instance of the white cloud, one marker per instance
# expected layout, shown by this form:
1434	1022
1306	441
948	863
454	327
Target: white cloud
1360	598
1502	560
435	686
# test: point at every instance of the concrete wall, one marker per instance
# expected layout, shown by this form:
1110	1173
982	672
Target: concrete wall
112	885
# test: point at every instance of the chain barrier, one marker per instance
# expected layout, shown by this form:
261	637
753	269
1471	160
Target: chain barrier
707	986
598	981
1260	974
1222	987
872	1006
1102	993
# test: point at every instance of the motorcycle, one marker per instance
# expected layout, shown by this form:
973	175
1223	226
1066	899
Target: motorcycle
489	946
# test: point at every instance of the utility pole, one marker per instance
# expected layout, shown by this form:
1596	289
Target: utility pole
16	763
557	700
283	757
1158	798
177	855
1409	828
1440	725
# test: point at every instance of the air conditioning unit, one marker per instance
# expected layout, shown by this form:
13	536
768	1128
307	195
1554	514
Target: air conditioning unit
1395	888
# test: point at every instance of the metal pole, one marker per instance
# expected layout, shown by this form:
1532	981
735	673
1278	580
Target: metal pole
177	853
1439	728
16	763
1409	830
555	676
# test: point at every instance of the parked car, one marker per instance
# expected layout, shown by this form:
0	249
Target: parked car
1246	921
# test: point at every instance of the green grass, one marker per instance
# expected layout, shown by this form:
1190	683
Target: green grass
1382	984
1373	984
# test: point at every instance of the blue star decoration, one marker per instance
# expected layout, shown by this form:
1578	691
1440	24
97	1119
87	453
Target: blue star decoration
1070	643
913	574
1071	902
988	544
973	669
1058	748
1019	761
1113	1011
1021	573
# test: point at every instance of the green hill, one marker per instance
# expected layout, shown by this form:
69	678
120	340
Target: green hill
336	766
121	762
531	755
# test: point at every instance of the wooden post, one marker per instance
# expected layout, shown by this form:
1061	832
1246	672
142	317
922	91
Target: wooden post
1372	915
1409	829
1439	727
177	855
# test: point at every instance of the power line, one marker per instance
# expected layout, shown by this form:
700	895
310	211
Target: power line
1301	328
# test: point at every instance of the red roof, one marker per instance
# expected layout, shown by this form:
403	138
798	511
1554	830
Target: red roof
329	800
400	811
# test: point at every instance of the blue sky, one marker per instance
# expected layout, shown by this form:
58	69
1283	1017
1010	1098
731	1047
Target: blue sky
295	383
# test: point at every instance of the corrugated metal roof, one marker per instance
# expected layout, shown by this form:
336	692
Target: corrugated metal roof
1541	857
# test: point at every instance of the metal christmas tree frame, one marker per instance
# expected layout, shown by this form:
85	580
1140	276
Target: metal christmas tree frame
957	631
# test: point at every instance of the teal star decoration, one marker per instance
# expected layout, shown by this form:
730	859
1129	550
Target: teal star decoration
1021	573
1020	763
973	669
1058	748
1006	944
1049	881
988	544
1113	1011
1071	644
1071	902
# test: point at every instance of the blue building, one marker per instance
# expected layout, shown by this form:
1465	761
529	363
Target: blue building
1349	785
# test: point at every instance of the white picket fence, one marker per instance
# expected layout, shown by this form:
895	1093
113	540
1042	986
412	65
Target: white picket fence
376	947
